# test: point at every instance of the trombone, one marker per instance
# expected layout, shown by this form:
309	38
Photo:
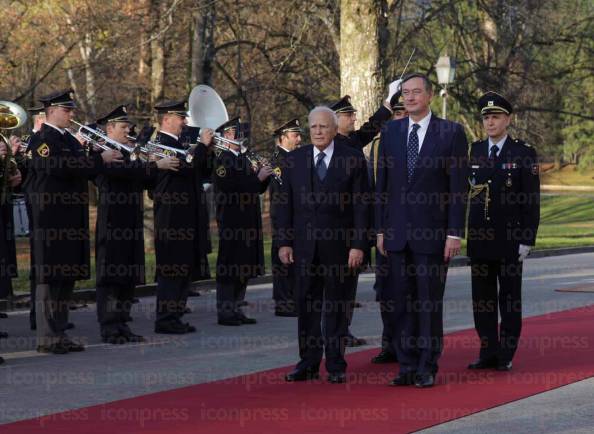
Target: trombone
98	138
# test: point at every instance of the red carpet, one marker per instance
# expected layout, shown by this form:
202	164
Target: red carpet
556	349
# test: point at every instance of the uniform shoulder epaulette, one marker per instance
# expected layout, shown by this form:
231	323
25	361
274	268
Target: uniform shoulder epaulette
521	142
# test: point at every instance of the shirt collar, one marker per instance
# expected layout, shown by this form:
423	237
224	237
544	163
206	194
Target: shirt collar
499	144
328	151
423	123
61	130
170	135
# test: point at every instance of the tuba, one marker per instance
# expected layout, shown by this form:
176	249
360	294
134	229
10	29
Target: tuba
12	116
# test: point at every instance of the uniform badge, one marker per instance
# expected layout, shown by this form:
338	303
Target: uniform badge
535	169
508	183
43	150
221	171
169	153
277	171
490	103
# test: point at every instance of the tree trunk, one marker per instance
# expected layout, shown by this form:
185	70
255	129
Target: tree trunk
157	50
361	76
203	44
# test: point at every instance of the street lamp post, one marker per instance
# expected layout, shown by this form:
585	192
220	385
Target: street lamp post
446	71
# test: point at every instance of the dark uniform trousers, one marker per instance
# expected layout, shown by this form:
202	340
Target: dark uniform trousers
385	308
485	300
114	302
413	299
172	296
323	299
230	292
52	306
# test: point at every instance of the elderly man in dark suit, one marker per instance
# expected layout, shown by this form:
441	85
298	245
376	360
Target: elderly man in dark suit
421	179
323	230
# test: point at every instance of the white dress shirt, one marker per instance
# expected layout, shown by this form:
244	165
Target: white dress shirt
327	154
423	124
499	145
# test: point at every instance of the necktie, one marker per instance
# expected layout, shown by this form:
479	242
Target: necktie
493	152
321	168
412	151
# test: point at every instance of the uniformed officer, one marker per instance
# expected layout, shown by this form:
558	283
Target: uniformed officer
59	202
288	138
387	354
180	256
502	224
119	239
238	185
358	139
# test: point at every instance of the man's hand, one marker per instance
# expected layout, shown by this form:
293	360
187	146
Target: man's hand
168	164
285	254
112	156
523	251
206	136
452	248
392	89
379	244
15	144
355	258
15	179
264	172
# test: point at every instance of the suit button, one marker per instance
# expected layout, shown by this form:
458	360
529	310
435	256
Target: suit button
488	218
489	181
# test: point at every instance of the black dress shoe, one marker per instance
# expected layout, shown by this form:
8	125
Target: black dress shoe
135	300
230	322
1	360
407	379
384	357
72	346
52	349
243	303
187	310
245	320
69	326
114	339
3	315
302	375
424	380
352	341
504	366
337	378
285	313
190	328
483	364
3	335
194	293
171	328
357	305
134	338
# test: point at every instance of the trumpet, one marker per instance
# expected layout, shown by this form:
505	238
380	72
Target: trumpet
159	150
98	138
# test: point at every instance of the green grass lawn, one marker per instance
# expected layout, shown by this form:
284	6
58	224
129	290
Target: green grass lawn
567	220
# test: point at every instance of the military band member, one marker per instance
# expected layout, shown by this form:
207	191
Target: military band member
59	203
180	256
358	139
283	291
502	224
10	179
119	239
238	185
387	353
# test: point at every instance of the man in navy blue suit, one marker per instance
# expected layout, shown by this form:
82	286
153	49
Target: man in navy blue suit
421	181
323	230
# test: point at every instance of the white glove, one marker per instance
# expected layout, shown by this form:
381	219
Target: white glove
523	251
393	88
